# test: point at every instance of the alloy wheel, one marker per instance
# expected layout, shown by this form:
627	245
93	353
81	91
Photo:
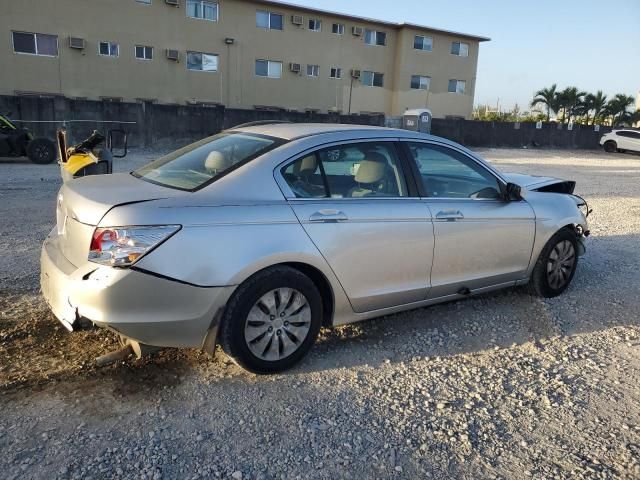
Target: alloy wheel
561	263
277	324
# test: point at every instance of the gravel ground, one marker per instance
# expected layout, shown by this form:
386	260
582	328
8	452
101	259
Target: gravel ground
499	386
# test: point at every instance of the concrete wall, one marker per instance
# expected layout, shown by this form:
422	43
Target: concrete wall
85	73
505	134
155	124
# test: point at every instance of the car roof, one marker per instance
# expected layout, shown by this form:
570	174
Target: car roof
293	131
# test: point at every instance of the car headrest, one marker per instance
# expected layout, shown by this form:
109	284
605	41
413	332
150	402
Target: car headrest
216	162
371	169
307	165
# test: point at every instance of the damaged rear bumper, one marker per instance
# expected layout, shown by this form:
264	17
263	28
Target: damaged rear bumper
148	309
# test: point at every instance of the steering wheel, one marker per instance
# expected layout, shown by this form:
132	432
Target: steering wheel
486	192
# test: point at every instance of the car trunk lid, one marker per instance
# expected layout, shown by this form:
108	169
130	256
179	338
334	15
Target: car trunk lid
82	203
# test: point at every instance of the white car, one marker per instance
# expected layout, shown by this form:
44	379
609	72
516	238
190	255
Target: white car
625	140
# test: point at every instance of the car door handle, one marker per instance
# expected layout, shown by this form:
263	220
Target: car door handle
449	215
328	215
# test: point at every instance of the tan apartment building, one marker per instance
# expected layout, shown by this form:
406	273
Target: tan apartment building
239	53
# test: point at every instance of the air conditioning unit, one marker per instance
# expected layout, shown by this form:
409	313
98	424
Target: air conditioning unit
297	19
173	3
294	67
355	73
173	55
76	42
357	31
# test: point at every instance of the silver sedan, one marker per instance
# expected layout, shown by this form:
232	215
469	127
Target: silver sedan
258	236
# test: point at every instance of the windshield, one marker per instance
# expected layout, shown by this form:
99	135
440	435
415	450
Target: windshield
200	163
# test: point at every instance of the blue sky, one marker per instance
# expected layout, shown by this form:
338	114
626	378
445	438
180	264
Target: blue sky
592	44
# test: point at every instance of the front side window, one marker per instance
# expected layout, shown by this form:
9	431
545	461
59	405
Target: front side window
144	52
315	25
337	28
356	170
335	72
460	49
446	173
203	62
372	37
269	20
109	49
203	10
420	82
35	44
457	86
421	42
313	70
200	163
372	79
268	68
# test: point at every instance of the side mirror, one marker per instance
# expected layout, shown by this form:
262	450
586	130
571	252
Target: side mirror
513	192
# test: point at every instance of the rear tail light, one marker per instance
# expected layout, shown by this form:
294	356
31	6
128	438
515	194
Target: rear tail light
123	246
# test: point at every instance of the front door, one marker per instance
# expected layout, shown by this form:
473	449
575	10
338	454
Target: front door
353	202
481	240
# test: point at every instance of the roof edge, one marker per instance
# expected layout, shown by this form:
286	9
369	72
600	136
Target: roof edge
304	8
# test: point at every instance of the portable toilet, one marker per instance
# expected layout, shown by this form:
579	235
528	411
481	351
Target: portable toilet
417	120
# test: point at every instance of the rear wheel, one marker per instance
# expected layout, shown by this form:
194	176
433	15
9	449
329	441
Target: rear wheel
272	320
610	146
556	265
41	151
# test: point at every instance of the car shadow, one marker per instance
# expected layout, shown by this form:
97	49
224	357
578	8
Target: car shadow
603	295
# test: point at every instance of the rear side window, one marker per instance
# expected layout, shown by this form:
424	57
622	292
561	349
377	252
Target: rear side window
200	163
356	170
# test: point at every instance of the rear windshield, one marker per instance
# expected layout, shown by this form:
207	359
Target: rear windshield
196	165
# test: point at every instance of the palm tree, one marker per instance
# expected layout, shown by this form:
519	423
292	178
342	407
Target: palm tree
617	108
595	103
572	100
546	97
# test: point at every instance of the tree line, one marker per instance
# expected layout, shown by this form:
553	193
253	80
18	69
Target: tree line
572	104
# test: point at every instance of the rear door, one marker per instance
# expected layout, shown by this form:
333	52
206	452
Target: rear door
354	202
481	240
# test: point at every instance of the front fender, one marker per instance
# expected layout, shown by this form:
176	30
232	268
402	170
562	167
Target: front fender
553	211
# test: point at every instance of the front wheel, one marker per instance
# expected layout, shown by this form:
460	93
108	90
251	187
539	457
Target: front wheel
556	265
610	146
272	320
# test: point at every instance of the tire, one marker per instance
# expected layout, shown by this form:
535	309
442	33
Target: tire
610	146
273	311
551	274
41	151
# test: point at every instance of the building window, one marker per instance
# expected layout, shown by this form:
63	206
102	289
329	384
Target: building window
315	25
313	70
420	82
268	68
457	86
460	49
335	72
203	10
337	28
109	49
144	52
423	43
202	62
35	44
269	20
371	37
372	79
